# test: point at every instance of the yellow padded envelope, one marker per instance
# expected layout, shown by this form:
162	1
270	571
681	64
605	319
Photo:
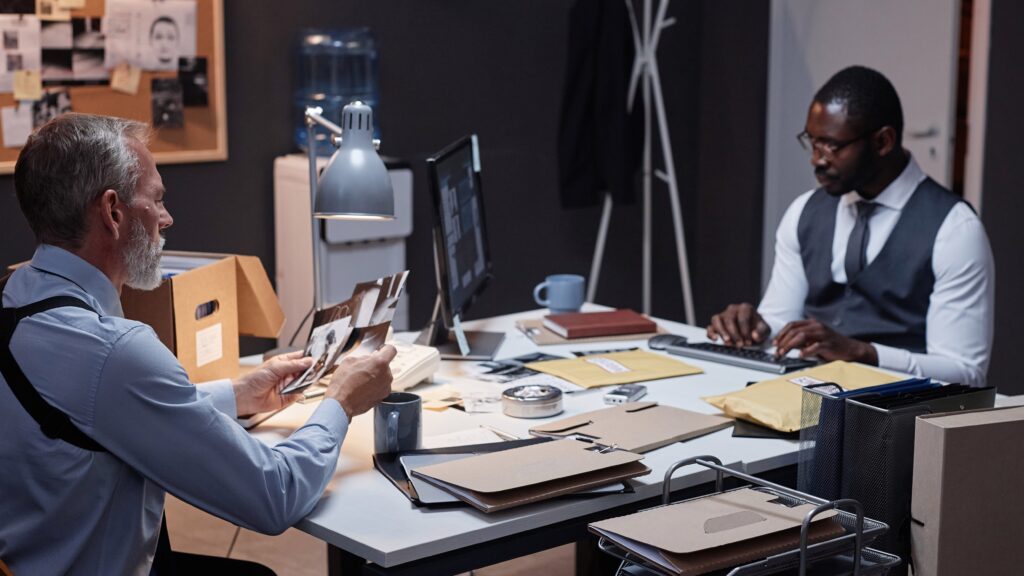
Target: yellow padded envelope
776	403
615	368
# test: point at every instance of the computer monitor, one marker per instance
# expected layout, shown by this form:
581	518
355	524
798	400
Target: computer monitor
461	255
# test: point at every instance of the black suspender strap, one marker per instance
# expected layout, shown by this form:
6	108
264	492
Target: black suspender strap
54	423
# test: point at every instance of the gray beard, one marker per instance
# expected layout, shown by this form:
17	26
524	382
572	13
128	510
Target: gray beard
142	258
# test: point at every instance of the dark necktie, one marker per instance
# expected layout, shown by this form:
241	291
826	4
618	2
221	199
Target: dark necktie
857	247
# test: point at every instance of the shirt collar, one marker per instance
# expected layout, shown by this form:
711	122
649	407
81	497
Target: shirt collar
898	192
91	280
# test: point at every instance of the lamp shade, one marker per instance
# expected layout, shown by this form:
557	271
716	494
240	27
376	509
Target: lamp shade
355	184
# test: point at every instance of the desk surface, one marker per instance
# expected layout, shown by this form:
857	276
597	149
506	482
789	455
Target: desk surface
362	513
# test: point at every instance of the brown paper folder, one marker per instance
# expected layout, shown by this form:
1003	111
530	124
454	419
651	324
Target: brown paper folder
501	480
714	532
637	426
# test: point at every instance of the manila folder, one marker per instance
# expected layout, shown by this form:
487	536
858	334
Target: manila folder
532	473
636	426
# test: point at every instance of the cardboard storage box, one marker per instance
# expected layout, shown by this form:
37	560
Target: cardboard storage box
968	493
200	311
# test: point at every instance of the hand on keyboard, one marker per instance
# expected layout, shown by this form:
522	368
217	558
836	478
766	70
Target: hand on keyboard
739	325
812	338
745	357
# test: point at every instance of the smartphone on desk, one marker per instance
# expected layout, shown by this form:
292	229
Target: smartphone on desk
625	394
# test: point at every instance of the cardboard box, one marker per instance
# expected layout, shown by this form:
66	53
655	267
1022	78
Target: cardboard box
968	493
200	312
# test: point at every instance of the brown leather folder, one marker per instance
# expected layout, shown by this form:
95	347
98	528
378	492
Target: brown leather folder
637	426
492	482
715	532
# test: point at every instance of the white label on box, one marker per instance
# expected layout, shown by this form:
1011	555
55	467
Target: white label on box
608	365
209	345
806	381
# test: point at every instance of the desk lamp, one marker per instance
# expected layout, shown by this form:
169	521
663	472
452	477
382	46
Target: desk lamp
354	185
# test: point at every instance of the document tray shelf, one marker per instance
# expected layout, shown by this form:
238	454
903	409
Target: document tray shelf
832	556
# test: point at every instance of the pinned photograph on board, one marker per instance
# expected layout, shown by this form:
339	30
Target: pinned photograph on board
17	6
150	35
57	66
168	110
194	81
87	34
55	41
21	47
53	104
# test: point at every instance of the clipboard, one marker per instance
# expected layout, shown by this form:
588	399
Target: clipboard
637	426
502	480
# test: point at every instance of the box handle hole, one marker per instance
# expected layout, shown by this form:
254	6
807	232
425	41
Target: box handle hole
207	309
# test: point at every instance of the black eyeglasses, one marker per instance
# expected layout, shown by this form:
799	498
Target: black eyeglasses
826	146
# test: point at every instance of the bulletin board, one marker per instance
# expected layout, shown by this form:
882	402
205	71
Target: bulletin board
203	134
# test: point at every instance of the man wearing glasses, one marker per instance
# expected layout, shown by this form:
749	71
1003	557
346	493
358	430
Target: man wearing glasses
880	264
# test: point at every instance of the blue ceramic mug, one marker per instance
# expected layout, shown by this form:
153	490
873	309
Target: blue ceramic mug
564	293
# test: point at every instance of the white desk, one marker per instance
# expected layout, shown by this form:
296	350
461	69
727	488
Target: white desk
362	514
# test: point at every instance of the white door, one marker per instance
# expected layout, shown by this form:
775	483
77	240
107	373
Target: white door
913	42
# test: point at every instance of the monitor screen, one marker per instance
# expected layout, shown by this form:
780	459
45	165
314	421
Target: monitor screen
463	260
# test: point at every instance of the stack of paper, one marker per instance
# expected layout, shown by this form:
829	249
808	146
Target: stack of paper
715	532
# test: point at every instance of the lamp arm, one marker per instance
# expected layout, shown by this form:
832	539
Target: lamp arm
315	114
314	225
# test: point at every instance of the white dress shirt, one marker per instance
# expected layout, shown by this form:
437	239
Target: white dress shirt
960	311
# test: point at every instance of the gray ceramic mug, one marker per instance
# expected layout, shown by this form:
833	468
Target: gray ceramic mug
396	423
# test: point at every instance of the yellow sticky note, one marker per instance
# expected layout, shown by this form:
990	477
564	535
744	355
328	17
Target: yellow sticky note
71	4
615	368
125	78
52	10
28	85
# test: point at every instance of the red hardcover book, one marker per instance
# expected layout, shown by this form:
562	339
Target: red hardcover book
591	324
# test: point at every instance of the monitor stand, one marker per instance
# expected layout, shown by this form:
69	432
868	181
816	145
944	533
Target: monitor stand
478	345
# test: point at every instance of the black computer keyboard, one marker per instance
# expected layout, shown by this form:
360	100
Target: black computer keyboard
743	357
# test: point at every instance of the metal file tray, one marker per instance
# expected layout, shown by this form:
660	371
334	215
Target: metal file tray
845	554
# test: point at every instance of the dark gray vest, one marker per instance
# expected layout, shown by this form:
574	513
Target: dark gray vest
887	302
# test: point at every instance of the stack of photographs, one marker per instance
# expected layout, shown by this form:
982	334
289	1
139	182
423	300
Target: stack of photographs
354	328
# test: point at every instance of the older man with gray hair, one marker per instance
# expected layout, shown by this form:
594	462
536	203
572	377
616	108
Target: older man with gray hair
97	417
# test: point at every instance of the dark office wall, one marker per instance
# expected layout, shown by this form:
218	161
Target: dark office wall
1002	201
449	67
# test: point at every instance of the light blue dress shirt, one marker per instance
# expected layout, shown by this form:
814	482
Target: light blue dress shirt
65	510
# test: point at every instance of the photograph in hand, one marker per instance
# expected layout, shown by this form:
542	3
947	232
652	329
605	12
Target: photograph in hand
345	329
325	343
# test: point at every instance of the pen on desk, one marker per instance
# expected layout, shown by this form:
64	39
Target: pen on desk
501	433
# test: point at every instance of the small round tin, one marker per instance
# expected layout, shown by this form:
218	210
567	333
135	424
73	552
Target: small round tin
531	401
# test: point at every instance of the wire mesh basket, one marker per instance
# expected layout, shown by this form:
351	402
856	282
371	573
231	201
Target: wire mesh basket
843	554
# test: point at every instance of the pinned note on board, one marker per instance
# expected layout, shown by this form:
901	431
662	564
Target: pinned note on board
125	78
28	85
17	124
